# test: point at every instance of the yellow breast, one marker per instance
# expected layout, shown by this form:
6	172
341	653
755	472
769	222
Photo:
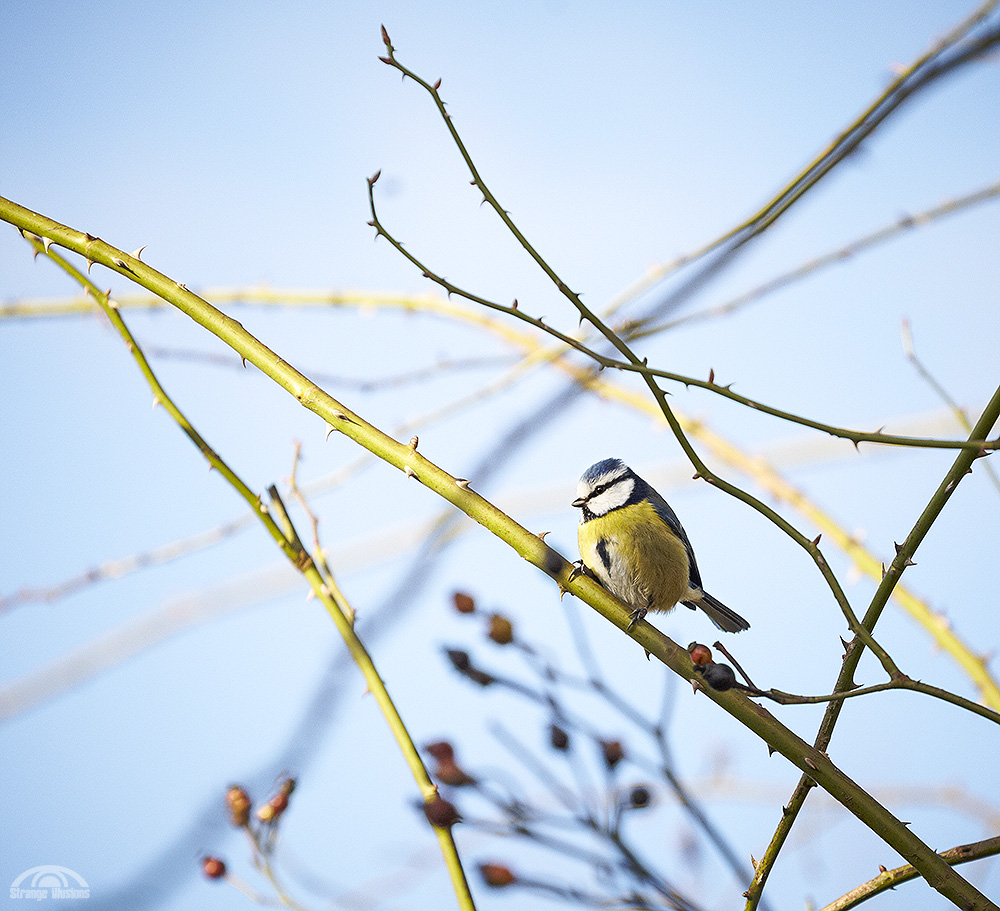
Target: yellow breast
636	556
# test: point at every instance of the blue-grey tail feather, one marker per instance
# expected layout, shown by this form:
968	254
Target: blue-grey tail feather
723	617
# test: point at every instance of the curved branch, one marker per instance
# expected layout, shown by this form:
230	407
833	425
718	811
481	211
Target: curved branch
900	683
812	762
889	879
278	524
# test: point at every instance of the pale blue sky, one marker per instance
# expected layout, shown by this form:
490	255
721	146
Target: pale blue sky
234	140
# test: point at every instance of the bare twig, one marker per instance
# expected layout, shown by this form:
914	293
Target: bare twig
943	394
283	533
842	254
889	879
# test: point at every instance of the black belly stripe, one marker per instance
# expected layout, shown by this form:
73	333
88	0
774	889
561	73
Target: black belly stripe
602	551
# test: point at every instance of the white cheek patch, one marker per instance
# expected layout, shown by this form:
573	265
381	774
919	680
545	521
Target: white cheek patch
616	495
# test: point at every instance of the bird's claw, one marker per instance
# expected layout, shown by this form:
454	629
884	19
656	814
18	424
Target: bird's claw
581	569
635	617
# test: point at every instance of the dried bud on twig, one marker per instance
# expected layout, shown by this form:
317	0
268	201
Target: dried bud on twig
451	773
501	630
639	797
239	806
463	664
459	660
441	813
277	805
441	750
497	875
613	752
700	654
448	770
718	676
213	867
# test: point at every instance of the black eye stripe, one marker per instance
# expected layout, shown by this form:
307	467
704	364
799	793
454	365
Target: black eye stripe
600	488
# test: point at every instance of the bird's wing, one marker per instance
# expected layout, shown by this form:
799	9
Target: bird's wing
664	511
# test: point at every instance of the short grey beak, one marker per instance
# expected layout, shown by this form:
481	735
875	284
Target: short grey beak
579	502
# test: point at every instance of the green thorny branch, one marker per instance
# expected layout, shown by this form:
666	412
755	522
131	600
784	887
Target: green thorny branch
925	70
406	458
632	360
278	524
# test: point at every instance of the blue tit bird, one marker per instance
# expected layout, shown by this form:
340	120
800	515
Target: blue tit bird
634	545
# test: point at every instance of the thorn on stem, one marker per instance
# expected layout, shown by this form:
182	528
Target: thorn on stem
410	473
462	482
899	549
